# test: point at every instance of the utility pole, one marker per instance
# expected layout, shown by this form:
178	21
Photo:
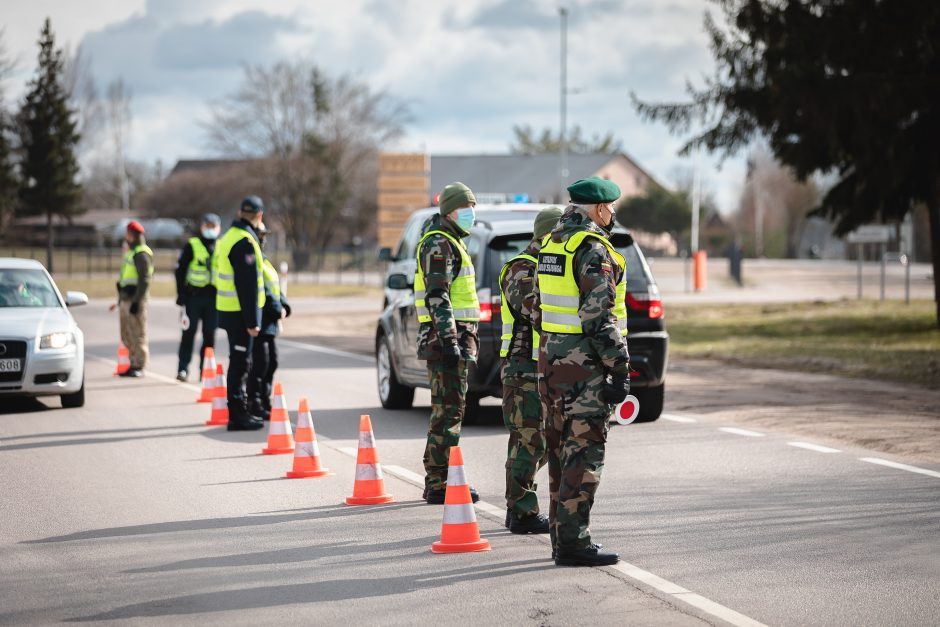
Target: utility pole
562	135
696	200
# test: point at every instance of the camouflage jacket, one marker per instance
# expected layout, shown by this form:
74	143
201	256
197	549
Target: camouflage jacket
521	297
440	262
597	276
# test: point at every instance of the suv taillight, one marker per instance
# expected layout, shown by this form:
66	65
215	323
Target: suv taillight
489	306
649	303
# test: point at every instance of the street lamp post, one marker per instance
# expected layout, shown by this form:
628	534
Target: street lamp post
562	135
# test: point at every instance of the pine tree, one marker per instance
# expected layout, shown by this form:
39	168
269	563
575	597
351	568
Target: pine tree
8	180
48	136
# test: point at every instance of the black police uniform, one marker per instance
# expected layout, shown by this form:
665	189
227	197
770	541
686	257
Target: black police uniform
264	356
200	308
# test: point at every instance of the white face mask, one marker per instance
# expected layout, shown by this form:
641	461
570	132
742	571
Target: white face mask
210	233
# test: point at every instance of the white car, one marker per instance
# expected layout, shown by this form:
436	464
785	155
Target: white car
42	350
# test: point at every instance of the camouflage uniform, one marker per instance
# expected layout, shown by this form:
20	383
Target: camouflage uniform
573	370
440	264
522	411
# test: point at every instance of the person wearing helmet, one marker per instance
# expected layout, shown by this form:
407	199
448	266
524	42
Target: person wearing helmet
264	353
195	292
239	297
133	288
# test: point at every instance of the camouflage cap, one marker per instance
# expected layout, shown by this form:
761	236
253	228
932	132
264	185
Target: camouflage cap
546	220
593	190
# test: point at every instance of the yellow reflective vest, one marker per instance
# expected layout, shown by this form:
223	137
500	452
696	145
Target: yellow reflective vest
558	286
198	274
226	298
129	274
463	289
271	280
509	320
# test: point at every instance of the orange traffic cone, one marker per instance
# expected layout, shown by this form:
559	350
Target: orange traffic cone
280	440
219	415
208	377
369	488
459	532
306	452
124	360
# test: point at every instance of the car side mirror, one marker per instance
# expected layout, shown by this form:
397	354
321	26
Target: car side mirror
75	299
398	282
385	254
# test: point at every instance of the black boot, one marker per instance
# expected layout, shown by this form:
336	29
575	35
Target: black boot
135	373
241	420
533	523
436	497
591	556
508	517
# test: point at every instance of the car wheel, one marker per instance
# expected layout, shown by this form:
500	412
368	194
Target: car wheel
393	394
651	403
76	399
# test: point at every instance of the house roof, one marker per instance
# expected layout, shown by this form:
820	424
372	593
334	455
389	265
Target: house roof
536	175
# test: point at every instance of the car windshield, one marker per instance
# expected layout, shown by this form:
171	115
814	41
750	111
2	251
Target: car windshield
26	287
638	274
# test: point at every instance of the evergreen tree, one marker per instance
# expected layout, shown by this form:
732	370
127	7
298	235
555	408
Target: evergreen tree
9	183
848	88
48	136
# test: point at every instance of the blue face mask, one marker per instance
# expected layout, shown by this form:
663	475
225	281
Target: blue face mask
210	233
465	218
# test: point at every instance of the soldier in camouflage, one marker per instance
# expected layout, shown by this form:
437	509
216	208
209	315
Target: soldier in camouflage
448	313
522	409
583	362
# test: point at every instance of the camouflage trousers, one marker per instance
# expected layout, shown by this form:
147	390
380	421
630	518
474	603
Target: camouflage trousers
448	399
134	333
522	414
576	424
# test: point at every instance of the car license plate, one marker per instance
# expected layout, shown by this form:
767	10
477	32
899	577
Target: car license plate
10	365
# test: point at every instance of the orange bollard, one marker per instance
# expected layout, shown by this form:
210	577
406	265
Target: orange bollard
699	270
280	440
219	415
124	360
369	488
306	451
459	531
208	377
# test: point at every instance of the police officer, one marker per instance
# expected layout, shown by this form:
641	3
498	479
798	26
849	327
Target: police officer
522	411
195	292
239	282
264	353
583	361
133	287
448	313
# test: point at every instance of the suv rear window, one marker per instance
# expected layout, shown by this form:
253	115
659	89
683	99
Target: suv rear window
639	278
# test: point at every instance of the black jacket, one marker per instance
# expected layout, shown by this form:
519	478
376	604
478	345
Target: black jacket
183	290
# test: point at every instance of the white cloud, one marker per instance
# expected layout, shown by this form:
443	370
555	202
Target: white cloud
470	69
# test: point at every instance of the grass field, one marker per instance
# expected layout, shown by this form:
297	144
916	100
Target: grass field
877	340
165	288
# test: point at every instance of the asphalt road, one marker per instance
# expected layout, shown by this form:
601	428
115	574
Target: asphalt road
129	509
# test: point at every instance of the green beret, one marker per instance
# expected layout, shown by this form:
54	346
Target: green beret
546	220
455	196
593	190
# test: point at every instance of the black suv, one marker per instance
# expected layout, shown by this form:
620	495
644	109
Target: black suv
500	233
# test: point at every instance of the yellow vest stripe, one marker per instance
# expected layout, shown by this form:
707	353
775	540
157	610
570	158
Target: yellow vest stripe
463	289
129	276
198	274
509	320
226	296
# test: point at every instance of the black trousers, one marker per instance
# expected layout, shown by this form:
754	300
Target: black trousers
239	363
201	311
260	380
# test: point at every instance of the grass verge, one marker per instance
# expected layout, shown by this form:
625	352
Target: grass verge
878	340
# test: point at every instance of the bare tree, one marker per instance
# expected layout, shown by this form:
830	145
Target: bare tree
84	99
187	195
119	123
314	136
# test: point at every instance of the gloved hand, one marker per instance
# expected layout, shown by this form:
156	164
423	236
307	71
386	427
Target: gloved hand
616	390
450	355
286	310
134	308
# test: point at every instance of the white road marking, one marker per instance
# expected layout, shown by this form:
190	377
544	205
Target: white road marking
149	374
814	447
316	348
672	590
890	464
744	432
675	418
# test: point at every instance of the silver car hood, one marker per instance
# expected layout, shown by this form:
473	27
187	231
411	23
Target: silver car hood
26	323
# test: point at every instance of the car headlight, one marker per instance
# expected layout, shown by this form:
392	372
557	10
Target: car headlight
56	340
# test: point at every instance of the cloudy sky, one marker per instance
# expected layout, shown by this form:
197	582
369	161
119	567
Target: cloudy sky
469	69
